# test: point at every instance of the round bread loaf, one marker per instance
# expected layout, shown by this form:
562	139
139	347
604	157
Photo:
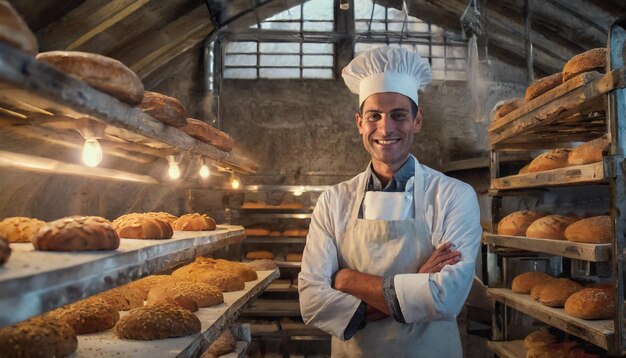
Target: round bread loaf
203	294
145	284
194	222
157	322
294	257
553	350
593	230
256	231
87	316
164	108
525	282
122	298
591	303
543	85
224	344
556	293
5	249
142	226
163	216
538	338
276	233
550	227
524	169
262	265
14	31
296	232
37	337
175	299
20	229
259	255
515	224
534	292
505	107
590	152
76	233
592	60
552	159
103	73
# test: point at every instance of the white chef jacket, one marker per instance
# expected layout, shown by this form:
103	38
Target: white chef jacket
452	214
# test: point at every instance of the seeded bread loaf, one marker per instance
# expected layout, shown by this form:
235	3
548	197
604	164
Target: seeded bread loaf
591	303
145	284
37	337
203	294
224	280
164	108
550	227
76	233
543	85
194	222
157	322
592	60
121	298
593	230
525	282
20	229
224	344
590	152
87	316
515	224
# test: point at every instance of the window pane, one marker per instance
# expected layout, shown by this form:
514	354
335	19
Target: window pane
318	10
378	26
423	50
418	27
240	60
288	26
362	47
437	51
361	26
279	73
291	14
318	26
395	14
379	12
438	74
455	64
273	47
317	48
311	60
456	52
438	63
397	27
241	47
317	73
362	9
246	73
280	60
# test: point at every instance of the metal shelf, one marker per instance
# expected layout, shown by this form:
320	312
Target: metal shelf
33	282
275	240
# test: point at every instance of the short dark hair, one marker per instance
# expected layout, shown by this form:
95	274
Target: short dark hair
414	108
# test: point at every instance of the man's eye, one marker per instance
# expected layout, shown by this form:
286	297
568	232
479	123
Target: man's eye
373	117
399	116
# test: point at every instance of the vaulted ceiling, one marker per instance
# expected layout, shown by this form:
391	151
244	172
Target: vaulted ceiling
147	34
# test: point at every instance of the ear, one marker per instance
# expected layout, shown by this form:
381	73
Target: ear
359	123
417	123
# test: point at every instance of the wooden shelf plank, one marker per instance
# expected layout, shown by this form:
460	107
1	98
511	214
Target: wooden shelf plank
275	240
33	282
598	332
273	308
574	250
289	264
214	319
508	349
50	93
575	175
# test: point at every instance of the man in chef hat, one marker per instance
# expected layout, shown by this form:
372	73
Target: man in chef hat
390	254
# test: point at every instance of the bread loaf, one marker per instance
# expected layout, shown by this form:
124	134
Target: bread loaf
556	293
524	282
552	159
142	226
593	230
87	316
590	152
5	249
175	299
164	108
591	303
76	233
194	222
37	337
121	298
505	107
262	265
296	232
167	217
207	133
543	85
239	268
203	294
534	292
145	284
524	169
276	233
224	280
14	31
538	338
224	344
515	224
550	227
592	60
20	229
256	231
294	257
157	322
258	255
553	350
103	73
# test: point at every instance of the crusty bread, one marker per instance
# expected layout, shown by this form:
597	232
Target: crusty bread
239	268
534	292
592	60
256	231
121	298
275	233
203	294
593	230
553	350
5	249
543	85
103	73
524	169
14	31
37	337
87	316
175	299
20	229
142	226
262	265
157	322
589	152
538	338
296	232
224	280
552	159
163	216
194	222
524	282
550	227
294	257
259	255
591	303
224	344
76	233
209	134
556	293
515	224
505	107
164	108
145	284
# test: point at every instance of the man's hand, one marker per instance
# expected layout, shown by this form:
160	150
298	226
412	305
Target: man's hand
441	257
372	314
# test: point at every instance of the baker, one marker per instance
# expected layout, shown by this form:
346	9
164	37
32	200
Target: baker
390	254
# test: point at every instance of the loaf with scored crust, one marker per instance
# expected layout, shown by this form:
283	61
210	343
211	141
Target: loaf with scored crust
76	233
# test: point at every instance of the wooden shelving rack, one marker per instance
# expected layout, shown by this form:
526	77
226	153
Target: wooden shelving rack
584	108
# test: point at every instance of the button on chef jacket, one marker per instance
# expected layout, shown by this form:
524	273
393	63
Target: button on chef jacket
429	303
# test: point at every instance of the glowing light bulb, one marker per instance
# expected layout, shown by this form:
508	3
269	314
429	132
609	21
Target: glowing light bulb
92	152
204	171
174	170
298	191
235	183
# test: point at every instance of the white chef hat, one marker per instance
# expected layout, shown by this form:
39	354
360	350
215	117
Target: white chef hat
387	69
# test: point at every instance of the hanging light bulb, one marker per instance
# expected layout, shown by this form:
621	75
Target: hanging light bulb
298	191
234	182
92	152
204	171
344	4
174	169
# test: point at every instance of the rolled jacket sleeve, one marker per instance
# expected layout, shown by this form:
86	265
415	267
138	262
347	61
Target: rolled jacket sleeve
321	305
440	296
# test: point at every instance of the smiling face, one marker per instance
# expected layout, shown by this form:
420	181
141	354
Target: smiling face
387	127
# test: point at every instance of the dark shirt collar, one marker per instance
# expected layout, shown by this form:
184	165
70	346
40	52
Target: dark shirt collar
399	180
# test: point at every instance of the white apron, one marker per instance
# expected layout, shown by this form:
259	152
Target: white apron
385	248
